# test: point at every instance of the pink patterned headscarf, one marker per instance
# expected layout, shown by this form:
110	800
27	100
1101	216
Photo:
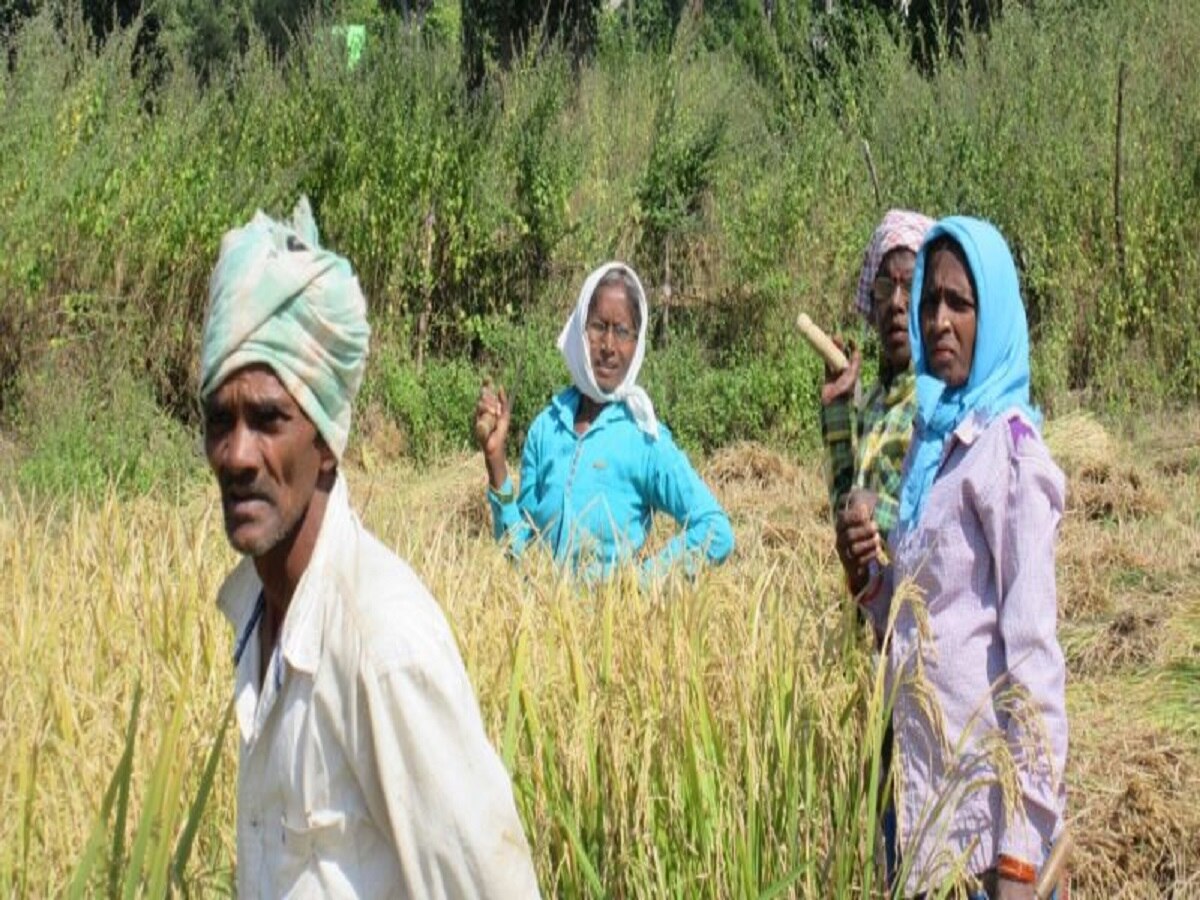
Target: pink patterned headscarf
899	228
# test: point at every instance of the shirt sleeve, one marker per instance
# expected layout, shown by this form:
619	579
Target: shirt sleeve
837	431
887	512
1021	528
439	793
511	523
676	488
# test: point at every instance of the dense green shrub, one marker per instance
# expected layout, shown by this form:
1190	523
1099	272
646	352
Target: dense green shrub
472	217
767	399
86	432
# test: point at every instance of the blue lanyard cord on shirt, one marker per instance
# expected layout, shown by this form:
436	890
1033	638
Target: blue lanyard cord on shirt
249	630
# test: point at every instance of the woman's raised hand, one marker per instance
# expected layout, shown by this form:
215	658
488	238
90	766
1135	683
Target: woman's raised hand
840	385
493	412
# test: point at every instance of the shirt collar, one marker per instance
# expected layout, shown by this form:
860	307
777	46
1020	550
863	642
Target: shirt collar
301	637
968	430
566	404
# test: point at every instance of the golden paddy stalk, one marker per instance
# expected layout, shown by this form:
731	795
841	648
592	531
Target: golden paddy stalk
716	739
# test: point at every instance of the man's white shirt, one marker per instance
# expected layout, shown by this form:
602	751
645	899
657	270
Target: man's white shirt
365	770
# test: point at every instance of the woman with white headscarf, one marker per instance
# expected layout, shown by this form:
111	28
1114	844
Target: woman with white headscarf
597	463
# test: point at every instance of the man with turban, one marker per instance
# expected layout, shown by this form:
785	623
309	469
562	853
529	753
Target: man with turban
365	770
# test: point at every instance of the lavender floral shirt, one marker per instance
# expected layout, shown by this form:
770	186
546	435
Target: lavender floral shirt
977	666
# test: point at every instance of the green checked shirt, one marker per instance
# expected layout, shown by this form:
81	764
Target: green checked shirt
867	448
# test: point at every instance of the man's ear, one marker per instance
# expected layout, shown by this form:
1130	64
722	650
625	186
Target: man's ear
329	460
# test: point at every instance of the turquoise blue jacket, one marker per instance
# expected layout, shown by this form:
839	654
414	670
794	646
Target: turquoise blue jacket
592	497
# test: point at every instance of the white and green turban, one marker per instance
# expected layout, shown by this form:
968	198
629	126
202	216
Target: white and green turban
278	298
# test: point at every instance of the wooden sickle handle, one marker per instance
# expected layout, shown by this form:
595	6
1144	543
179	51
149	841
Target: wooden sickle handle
821	342
1055	867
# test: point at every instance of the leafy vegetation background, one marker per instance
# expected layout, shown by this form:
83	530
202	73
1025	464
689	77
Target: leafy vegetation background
725	148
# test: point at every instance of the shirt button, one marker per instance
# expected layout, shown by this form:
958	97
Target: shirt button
254	822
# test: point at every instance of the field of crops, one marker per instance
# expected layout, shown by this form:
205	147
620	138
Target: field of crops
706	741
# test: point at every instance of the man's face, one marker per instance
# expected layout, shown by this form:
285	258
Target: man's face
267	457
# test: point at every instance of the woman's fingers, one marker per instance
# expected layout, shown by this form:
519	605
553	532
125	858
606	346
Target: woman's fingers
864	542
491	401
855	366
840	385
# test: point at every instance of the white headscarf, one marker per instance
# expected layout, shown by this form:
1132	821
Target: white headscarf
573	342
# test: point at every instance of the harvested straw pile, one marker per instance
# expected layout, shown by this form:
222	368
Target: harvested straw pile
1135	796
751	463
781	504
1129	640
1088	556
1101	484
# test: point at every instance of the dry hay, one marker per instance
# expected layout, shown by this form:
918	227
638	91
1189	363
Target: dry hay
1179	460
748	462
1077	441
469	511
1087	558
8	458
1100	484
458	491
452	494
1134	798
1129	640
378	440
1172	445
777	503
1113	492
747	474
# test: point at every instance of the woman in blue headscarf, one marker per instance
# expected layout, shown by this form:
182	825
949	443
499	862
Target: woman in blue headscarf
973	657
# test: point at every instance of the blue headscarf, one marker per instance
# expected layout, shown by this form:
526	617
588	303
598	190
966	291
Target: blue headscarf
999	378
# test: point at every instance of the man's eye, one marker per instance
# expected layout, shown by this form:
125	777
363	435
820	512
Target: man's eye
216	421
268	417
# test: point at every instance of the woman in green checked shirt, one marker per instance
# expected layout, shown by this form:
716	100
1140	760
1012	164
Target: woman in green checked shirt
867	442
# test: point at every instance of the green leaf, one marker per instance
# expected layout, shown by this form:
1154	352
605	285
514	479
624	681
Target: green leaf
183	848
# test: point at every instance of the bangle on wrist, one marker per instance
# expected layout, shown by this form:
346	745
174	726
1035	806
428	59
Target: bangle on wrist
1013	869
